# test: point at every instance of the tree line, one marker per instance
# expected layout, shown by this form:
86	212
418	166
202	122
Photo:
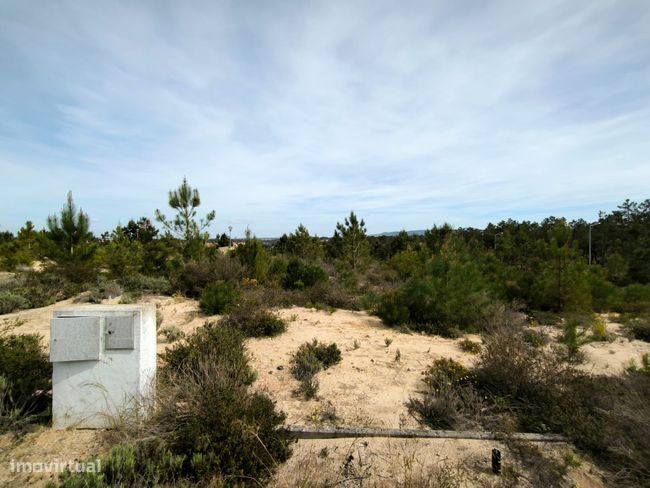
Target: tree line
441	279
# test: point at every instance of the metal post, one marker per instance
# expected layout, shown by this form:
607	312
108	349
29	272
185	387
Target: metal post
496	461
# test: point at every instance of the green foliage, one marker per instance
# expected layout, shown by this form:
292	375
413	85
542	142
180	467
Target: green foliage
171	333
11	302
350	242
197	274
185	200
408	264
224	344
301	244
449	400
603	415
638	325
69	242
218	298
300	275
122	255
308	360
470	346
452	293
254	320
563	283
25	373
254	258
33	289
573	338
140	283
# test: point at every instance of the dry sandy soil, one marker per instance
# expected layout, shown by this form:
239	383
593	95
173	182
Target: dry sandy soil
367	388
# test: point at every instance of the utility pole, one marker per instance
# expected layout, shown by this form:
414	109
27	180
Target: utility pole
590	226
230	235
589	244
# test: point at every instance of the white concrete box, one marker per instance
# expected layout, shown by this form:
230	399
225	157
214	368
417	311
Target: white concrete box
104	361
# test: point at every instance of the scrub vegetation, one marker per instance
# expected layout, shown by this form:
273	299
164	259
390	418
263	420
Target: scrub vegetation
208	426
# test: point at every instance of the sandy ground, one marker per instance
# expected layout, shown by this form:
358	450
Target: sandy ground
369	387
408	462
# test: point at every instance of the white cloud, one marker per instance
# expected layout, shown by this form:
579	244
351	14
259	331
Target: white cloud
284	113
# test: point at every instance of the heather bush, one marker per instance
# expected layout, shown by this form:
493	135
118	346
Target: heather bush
449	399
254	320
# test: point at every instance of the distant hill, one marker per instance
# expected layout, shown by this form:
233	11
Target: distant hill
409	232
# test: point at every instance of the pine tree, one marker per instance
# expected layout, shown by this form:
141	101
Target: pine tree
352	240
185	200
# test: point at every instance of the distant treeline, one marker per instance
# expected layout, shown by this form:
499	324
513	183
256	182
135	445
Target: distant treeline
443	276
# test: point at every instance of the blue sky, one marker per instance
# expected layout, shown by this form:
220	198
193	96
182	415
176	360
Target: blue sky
410	113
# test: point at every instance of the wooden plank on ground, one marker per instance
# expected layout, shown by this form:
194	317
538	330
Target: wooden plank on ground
302	432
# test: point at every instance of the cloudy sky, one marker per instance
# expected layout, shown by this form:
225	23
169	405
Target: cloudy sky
280	112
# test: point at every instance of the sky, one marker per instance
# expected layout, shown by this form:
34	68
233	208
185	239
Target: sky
411	113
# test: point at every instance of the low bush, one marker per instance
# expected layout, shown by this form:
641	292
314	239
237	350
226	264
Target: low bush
11	302
211	339
196	275
449	399
470	346
254	320
535	338
140	283
309	359
301	275
26	372
217	298
638	325
171	333
573	338
104	289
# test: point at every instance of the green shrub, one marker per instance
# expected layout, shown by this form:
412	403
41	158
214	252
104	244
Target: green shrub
217	298
392	311
211	340
27	372
171	333
103	290
10	302
432	305
254	320
470	346
140	283
301	275
545	318
535	338
573	338
308	360
449	400
638	325
198	274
